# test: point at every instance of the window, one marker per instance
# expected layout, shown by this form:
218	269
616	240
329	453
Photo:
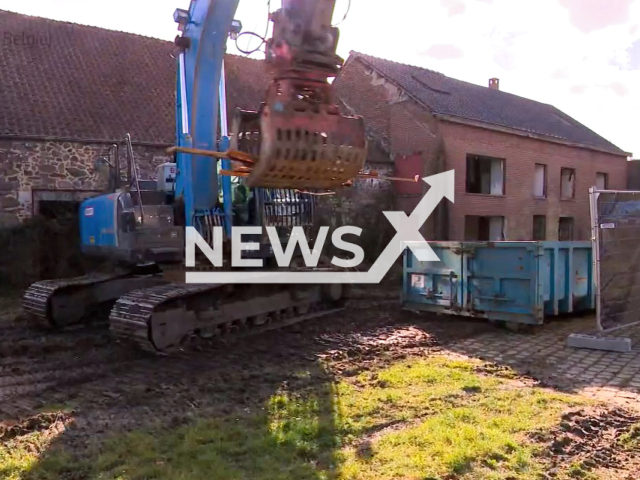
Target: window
484	229
601	181
540	181
485	175
539	227
567	183
565	228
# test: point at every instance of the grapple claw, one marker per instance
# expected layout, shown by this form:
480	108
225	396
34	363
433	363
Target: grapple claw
299	138
298	143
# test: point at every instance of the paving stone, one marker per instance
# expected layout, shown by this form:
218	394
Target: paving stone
600	374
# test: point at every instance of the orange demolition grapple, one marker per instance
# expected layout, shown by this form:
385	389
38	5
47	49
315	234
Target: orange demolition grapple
299	137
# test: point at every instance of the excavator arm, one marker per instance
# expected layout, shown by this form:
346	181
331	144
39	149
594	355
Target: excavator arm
298	138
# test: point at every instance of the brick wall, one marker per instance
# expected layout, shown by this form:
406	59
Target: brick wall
519	205
26	166
405	127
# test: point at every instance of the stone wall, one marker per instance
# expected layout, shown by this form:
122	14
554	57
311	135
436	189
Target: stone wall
30	171
26	166
33	246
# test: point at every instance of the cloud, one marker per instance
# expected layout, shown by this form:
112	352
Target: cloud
505	59
634	55
503	46
443	51
578	89
453	7
591	15
560	74
619	89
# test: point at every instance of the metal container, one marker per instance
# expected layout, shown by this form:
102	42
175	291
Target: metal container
520	282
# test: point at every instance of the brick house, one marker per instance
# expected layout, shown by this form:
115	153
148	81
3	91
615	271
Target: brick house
523	168
68	92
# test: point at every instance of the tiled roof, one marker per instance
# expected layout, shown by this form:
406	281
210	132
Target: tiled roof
447	96
92	83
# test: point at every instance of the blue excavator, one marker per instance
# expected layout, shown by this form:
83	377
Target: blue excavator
262	173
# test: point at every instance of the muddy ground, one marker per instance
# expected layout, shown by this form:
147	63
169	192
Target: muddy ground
112	388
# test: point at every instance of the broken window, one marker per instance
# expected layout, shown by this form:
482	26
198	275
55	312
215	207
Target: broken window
484	229
540	181
485	175
565	228
539	227
567	183
601	181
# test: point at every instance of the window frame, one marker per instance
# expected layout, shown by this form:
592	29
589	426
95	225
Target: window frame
473	157
544	180
533	231
486	218
573	226
573	184
606	180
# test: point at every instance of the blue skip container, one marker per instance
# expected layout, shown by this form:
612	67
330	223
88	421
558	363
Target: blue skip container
519	282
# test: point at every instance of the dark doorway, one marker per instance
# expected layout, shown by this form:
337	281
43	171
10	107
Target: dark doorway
565	229
59	251
539	227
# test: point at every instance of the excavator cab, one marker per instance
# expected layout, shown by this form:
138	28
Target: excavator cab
299	138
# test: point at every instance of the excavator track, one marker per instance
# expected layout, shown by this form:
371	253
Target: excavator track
62	303
160	319
36	301
131	315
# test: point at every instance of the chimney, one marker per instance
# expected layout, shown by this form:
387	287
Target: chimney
494	83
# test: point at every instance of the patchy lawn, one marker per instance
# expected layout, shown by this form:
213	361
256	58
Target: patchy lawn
369	393
421	418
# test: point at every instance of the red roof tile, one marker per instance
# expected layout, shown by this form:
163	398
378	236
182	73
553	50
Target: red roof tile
88	83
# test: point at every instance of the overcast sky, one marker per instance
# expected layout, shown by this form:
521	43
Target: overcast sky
582	56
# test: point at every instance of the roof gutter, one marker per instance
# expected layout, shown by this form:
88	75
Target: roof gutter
525	133
44	138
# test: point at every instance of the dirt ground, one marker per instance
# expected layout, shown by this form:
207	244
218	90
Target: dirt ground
107	387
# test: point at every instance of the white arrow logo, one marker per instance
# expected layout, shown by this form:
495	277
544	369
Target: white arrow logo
407	235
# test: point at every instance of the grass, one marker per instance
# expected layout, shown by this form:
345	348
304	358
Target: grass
417	419
631	439
575	470
20	455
